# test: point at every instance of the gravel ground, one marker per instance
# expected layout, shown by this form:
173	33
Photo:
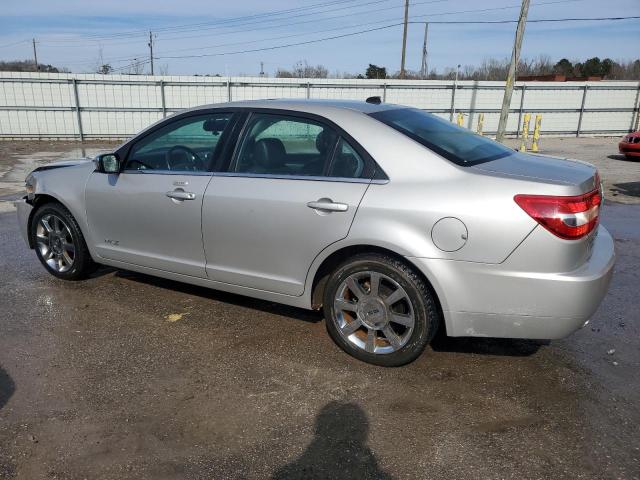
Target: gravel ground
128	376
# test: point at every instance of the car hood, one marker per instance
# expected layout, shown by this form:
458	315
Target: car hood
543	168
63	163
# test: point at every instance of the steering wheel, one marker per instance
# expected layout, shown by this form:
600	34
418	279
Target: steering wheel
145	166
195	163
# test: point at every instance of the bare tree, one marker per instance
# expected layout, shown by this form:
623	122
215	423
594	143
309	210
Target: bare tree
303	70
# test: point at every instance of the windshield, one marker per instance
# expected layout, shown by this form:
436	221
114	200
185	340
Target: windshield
454	143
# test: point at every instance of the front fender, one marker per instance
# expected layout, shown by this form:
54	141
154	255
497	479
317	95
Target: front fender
66	186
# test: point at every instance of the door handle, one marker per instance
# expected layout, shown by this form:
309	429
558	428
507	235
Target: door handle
328	205
181	195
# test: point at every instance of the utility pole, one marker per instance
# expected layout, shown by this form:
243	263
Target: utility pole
404	37
262	69
35	56
151	50
511	76
424	71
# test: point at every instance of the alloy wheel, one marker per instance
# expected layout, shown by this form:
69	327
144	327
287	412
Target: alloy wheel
373	312
55	243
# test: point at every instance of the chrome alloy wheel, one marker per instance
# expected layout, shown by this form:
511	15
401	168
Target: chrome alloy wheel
373	312
55	243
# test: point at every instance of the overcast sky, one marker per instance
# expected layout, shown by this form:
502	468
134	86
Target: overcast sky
72	33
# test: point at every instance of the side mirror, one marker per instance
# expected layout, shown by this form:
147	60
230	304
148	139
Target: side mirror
109	163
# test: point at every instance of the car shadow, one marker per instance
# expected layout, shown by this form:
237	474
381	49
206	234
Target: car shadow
441	343
339	448
508	347
310	316
630	189
7	387
623	158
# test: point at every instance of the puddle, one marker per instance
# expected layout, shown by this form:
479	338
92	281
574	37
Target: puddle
14	168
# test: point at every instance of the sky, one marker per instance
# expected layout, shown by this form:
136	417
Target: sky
80	34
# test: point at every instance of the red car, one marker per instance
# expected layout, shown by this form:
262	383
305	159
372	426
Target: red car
629	146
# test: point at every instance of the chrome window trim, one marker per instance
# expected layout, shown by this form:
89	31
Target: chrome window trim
314	178
168	172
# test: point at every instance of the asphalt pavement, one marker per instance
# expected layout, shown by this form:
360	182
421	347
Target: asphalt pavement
128	376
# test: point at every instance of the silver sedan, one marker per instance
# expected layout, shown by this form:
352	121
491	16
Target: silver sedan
393	221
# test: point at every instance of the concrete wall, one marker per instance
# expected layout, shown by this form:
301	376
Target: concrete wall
91	106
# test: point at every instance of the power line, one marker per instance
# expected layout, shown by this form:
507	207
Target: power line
360	25
14	43
360	32
195	26
253	20
316	20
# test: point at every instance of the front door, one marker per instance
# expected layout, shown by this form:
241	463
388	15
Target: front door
292	189
151	213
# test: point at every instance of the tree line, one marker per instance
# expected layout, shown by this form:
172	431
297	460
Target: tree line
489	69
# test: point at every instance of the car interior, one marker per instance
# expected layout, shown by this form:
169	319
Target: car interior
189	146
283	147
273	145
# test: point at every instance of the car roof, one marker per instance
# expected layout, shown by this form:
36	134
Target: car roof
317	106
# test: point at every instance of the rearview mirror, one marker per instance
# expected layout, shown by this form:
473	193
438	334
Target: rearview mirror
109	163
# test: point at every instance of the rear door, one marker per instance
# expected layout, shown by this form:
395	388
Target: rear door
151	213
291	189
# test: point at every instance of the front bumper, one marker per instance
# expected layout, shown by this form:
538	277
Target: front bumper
495	301
629	149
24	214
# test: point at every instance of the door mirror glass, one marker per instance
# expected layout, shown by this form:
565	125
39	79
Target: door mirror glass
109	163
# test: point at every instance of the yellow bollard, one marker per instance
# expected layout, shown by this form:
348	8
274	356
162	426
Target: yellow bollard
525	132
480	123
536	133
460	119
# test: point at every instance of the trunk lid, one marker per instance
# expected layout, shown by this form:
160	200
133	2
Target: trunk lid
579	177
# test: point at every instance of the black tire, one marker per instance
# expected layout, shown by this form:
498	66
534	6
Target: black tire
425	312
82	264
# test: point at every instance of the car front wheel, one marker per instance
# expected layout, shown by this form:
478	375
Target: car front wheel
379	310
59	243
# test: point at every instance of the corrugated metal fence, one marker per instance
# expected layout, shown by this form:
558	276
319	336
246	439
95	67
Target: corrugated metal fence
87	106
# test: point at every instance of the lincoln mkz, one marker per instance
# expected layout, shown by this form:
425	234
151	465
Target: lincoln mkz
394	221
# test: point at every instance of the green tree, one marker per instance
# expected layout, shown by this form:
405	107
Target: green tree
563	67
374	71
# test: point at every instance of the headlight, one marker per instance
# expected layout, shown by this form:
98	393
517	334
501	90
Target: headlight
30	186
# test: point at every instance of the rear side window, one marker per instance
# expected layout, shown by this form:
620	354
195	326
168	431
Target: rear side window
347	163
284	145
454	143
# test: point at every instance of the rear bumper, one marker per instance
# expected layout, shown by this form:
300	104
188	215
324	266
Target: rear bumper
496	301
24	213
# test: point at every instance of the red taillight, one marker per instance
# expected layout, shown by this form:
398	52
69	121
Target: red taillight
569	218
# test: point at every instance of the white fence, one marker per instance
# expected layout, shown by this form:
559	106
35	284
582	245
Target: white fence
85	106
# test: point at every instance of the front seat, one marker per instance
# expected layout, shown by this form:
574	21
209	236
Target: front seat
269	156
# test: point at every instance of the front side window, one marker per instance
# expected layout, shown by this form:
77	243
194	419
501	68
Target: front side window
282	145
454	143
185	145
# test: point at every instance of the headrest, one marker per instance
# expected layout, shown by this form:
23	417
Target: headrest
325	141
269	153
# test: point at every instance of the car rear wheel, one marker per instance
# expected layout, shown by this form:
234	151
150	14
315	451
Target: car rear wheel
59	243
379	310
